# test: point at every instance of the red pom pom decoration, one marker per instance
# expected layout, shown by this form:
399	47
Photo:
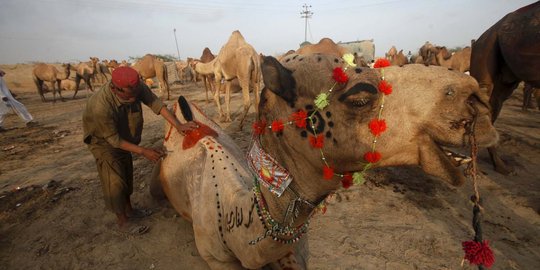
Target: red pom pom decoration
299	118
259	127
377	126
340	76
317	142
277	126
478	253
385	87
328	172
381	62
347	180
372	157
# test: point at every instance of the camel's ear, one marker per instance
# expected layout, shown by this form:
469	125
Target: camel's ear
278	79
185	109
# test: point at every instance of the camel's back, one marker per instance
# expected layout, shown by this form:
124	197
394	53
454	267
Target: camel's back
45	72
519	38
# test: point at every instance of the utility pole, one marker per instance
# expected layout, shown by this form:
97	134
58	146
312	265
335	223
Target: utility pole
176	40
306	13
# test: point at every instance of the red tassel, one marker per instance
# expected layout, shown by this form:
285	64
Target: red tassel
347	180
478	253
340	76
328	172
372	157
299	118
381	62
317	142
377	126
259	127
385	87
277	126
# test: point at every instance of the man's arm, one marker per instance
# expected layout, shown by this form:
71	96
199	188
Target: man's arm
151	154
171	118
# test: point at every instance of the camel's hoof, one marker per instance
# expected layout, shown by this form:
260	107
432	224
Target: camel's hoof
504	170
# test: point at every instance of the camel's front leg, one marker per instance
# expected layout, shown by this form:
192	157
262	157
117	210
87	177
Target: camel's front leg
217	101
228	101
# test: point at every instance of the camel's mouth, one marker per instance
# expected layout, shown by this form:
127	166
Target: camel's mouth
455	158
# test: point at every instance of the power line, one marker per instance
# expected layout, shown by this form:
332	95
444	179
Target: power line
306	14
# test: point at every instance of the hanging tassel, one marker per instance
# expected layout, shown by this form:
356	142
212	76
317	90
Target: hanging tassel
477	251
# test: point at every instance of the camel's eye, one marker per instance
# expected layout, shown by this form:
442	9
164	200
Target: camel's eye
450	92
359	102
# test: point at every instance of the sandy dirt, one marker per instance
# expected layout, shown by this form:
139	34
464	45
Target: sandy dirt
52	215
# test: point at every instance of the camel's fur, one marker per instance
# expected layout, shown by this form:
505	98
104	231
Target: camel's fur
210	183
506	54
149	67
458	61
83	71
237	59
48	73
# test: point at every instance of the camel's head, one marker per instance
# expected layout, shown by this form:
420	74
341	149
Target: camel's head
429	107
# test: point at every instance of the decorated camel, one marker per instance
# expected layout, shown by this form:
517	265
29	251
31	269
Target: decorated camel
236	59
458	61
506	54
320	126
83	71
47	73
149	67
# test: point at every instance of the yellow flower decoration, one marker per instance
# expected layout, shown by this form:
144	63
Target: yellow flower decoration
322	101
349	59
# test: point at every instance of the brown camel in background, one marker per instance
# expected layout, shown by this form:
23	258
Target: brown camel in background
100	70
325	46
428	53
48	73
399	59
209	80
503	56
149	67
83	71
236	59
459	61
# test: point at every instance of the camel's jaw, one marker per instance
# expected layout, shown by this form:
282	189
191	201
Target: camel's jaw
434	161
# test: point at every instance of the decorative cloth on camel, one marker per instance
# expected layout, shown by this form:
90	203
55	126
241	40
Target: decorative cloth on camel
267	169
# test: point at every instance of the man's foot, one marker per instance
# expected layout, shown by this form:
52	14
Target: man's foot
32	124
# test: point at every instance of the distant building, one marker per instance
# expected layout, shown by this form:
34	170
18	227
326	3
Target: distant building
363	48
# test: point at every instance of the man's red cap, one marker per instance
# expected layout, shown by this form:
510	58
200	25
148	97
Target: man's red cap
125	77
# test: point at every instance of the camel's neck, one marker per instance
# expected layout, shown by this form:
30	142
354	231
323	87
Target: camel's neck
444	62
306	190
205	68
65	74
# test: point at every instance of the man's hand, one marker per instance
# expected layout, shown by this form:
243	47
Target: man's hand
152	154
182	128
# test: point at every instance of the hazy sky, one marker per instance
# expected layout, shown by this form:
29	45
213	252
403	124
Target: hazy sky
73	30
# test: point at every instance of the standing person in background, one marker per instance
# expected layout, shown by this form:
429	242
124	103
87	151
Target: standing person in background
112	124
8	103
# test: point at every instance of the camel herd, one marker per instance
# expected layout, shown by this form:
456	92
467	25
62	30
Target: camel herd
207	181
